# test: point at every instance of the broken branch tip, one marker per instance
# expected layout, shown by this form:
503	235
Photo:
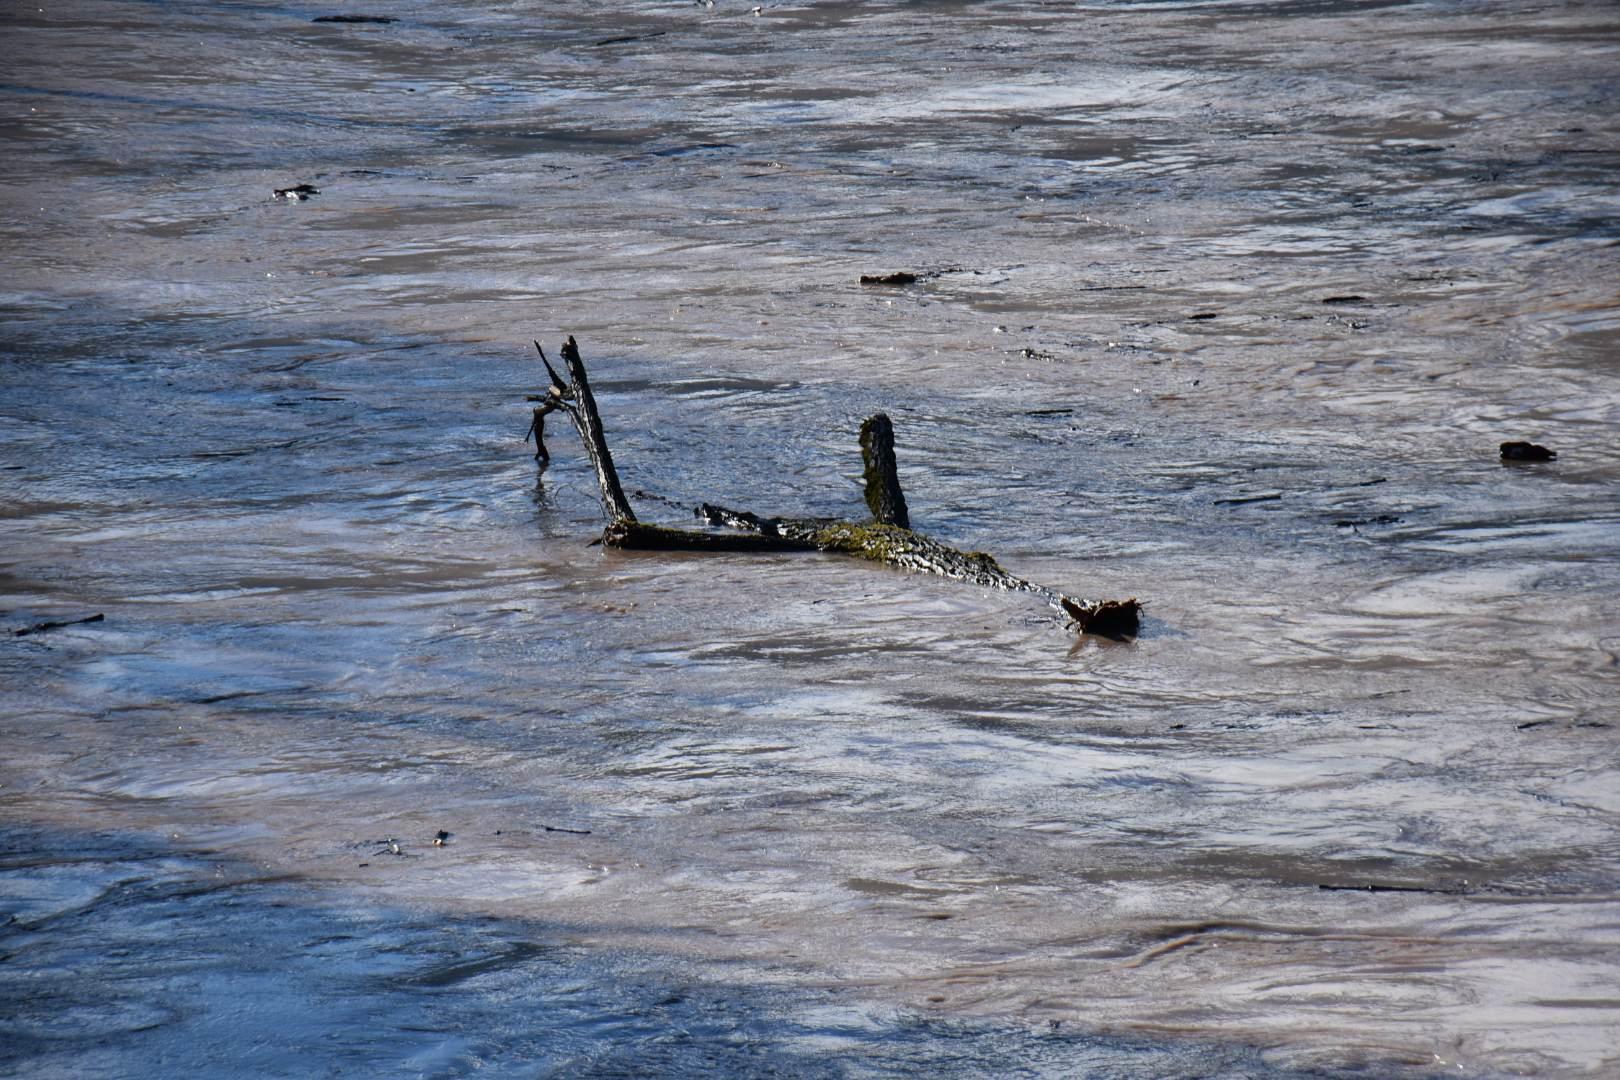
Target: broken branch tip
1117	619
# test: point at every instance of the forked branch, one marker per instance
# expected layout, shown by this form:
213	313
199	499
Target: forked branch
888	538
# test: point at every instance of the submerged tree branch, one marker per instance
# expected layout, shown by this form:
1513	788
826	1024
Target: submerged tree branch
910	550
888	538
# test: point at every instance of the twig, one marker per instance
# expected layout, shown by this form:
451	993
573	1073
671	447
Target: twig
42	627
1390	888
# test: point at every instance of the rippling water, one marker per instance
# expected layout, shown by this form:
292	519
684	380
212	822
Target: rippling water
1222	305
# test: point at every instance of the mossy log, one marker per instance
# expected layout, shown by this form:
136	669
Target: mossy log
888	538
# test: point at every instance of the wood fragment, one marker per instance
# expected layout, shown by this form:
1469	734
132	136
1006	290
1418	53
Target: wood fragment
42	627
1526	451
1376	888
1377	519
628	38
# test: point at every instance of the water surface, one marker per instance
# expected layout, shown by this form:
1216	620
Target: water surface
1223	305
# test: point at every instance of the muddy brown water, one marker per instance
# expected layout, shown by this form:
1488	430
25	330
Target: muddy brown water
1222	305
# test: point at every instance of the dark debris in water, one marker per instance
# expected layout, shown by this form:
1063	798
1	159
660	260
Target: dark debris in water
1376	519
1526	451
57	624
628	38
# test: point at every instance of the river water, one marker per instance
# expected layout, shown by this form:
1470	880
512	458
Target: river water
1225	306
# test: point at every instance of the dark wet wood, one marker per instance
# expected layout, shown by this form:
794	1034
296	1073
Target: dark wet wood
638	536
905	549
1526	451
537	431
44	627
900	547
1375	888
883	495
582	410
628	38
887	539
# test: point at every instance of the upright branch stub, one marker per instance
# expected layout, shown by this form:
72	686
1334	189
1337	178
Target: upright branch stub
883	495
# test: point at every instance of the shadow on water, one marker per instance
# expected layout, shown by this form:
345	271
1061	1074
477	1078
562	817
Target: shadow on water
119	954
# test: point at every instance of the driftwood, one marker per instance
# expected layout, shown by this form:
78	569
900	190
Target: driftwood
42	627
887	538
